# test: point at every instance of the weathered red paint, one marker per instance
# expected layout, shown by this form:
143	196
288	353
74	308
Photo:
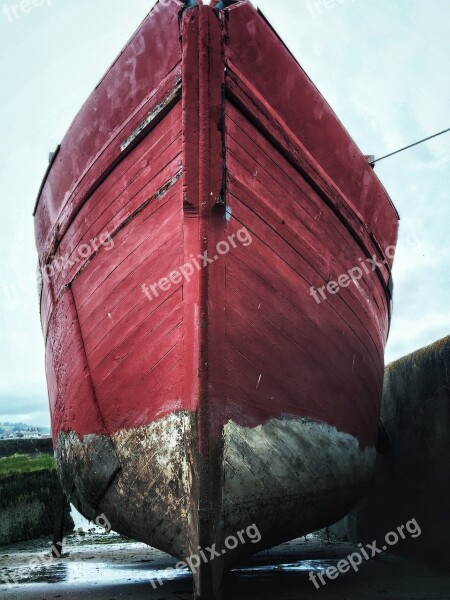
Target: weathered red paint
236	136
256	55
285	125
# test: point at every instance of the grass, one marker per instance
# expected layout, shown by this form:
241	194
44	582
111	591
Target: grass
26	463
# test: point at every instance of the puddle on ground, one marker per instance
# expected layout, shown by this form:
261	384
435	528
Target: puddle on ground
91	574
109	559
94	573
317	566
92	568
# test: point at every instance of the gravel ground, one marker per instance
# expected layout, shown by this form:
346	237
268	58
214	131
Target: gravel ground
107	567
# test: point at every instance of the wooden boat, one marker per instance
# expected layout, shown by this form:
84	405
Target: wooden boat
204	372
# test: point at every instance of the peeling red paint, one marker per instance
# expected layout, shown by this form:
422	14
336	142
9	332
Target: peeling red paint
170	171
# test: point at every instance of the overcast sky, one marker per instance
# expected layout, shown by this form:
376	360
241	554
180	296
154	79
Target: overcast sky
383	66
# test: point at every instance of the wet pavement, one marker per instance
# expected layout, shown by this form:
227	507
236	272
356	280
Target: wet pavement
103	566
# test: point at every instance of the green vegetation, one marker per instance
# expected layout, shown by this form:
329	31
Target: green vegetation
26	463
27	499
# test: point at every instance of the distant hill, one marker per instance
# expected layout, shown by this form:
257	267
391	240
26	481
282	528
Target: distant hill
8	427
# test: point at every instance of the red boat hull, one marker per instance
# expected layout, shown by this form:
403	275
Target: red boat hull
198	384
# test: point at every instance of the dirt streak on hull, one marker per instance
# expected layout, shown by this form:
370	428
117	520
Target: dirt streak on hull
226	396
286	475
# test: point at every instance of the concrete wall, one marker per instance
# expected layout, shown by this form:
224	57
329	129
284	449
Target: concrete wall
412	477
28	500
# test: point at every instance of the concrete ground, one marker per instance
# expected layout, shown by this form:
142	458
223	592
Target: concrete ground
109	568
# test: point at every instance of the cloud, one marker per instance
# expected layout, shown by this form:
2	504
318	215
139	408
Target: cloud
32	410
380	64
